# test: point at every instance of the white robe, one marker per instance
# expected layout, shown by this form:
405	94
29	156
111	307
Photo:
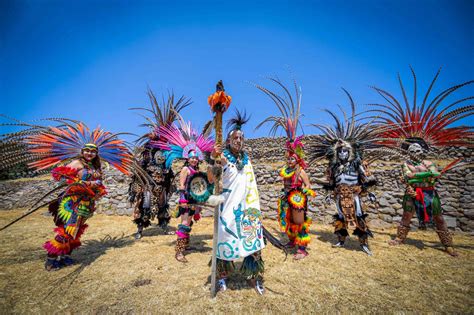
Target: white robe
240	231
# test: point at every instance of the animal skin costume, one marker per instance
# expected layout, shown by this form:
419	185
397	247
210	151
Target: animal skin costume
152	183
418	127
347	173
151	200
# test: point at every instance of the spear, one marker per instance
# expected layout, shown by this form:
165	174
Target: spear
219	103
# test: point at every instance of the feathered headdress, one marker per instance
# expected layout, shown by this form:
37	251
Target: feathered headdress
359	137
425	121
237	121
163	114
289	106
48	146
182	142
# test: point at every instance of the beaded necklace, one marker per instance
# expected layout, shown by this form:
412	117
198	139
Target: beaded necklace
287	172
239	161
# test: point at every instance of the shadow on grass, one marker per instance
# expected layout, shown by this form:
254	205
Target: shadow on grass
156	231
351	243
197	243
237	281
29	254
86	255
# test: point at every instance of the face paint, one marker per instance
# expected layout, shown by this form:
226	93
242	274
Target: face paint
415	150
291	161
343	154
193	161
88	154
236	141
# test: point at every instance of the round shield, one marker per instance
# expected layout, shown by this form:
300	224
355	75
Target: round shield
297	199
199	189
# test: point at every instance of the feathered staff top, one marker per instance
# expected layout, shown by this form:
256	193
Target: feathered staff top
289	106
47	146
182	141
425	121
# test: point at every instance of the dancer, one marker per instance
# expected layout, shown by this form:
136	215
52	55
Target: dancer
344	146
152	183
293	203
240	233
419	127
185	142
77	154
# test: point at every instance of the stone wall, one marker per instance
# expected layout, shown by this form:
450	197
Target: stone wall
456	188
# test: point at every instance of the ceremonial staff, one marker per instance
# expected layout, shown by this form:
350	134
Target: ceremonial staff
219	103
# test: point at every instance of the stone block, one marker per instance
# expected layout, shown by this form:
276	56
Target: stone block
450	221
387	210
378	224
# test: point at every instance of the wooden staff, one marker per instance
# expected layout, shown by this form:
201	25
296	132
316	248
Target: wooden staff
219	103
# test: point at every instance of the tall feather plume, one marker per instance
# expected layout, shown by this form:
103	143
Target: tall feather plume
163	114
430	121
177	140
238	120
48	146
289	107
359	134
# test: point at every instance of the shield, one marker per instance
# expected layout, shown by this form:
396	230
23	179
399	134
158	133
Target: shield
297	199
199	188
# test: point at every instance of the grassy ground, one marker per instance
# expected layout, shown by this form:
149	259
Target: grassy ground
115	273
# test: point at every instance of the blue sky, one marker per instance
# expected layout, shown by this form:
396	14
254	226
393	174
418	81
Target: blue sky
92	60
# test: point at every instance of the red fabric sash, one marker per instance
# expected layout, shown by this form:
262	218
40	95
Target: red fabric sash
421	198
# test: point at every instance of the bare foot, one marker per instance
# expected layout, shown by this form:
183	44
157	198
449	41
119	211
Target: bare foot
395	242
451	251
181	258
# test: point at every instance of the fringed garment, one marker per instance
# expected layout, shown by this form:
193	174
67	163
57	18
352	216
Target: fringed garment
294	198
72	208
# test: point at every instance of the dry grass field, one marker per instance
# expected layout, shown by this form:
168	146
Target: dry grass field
116	274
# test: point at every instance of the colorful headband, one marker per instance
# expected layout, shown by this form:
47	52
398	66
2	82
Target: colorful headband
90	146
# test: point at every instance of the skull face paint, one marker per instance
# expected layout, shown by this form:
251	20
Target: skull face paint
415	150
343	154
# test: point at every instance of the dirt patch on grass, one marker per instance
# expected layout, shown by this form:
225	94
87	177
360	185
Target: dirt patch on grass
115	273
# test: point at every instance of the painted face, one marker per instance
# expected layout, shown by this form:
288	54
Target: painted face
291	161
415	150
343	154
193	161
236	141
89	154
159	157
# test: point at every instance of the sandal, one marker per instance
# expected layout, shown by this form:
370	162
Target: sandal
52	264
300	254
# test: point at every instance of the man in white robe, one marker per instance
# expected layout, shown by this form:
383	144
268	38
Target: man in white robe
240	233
